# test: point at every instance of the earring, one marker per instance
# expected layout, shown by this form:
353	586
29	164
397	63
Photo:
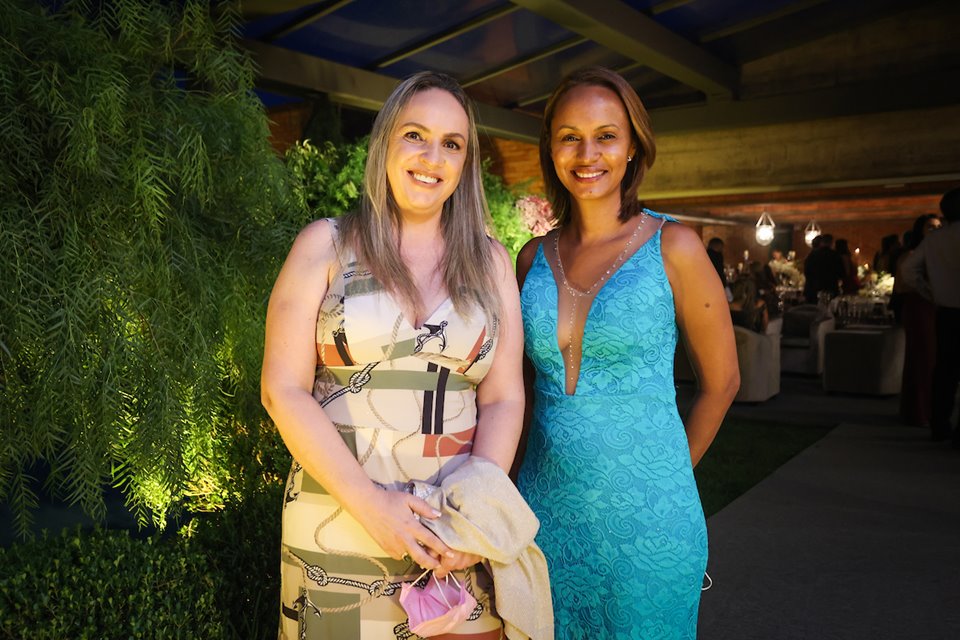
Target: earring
629	158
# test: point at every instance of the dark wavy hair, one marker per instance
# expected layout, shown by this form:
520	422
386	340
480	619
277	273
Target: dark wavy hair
919	229
950	205
641	135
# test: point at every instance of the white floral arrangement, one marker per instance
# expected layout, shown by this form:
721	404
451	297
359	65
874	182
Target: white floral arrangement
878	284
786	271
885	284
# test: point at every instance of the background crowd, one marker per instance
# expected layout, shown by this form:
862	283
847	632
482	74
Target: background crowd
919	292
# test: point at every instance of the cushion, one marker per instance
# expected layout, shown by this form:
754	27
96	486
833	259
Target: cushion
797	320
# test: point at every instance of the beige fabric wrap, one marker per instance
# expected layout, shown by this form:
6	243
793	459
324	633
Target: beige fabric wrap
483	513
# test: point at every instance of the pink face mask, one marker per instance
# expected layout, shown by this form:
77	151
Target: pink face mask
439	607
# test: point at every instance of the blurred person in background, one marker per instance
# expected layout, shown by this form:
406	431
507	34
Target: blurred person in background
849	283
822	269
932	271
918	316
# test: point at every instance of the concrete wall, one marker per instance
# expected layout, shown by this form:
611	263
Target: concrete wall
832	152
896	46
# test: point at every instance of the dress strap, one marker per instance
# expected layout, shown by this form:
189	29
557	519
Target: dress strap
334	226
664	217
345	256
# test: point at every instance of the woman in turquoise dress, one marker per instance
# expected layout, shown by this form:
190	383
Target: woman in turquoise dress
608	464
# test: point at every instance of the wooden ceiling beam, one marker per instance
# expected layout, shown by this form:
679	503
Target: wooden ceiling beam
922	90
524	60
861	203
756	21
797	29
668	5
448	34
279	67
616	26
321	10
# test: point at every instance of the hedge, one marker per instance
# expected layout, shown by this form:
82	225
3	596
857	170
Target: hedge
106	584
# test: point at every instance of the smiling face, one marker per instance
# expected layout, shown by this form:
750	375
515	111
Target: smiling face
590	141
426	152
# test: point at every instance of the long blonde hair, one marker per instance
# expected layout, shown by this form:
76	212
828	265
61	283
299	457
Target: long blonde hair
373	230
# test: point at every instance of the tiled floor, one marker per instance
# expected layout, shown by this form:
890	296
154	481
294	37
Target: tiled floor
857	537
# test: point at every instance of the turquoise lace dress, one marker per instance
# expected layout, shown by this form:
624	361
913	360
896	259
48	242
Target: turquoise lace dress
607	470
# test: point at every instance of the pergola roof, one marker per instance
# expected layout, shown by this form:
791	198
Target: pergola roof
698	65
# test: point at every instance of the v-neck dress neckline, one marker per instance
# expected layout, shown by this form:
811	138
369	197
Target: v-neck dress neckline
586	301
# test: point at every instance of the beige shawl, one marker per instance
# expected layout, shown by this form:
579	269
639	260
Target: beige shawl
483	513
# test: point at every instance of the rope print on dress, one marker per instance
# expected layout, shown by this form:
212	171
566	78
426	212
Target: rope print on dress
356	384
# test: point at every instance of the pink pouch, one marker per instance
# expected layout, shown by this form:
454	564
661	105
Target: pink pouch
439	607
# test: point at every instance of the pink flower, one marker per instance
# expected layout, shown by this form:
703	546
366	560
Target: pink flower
537	214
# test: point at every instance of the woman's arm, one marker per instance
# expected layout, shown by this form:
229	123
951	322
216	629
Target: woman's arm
289	366
524	262
704	320
500	398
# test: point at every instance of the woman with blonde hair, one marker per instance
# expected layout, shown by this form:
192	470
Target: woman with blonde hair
393	357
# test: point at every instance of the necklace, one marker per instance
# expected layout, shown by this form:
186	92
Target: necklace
576	294
604	276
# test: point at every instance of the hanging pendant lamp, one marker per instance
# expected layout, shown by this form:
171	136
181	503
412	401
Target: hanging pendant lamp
811	232
764	231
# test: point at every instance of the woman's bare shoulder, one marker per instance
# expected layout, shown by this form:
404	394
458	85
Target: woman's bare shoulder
527	253
677	237
318	238
529	250
312	255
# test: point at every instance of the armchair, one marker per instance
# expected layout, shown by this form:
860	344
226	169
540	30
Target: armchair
865	361
805	327
758	355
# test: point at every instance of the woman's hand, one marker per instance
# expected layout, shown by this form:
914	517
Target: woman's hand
457	562
390	517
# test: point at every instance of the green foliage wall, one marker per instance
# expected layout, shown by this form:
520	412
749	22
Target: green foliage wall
326	179
508	225
143	218
109	586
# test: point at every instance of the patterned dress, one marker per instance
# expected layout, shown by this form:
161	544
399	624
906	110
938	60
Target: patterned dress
404	401
607	470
